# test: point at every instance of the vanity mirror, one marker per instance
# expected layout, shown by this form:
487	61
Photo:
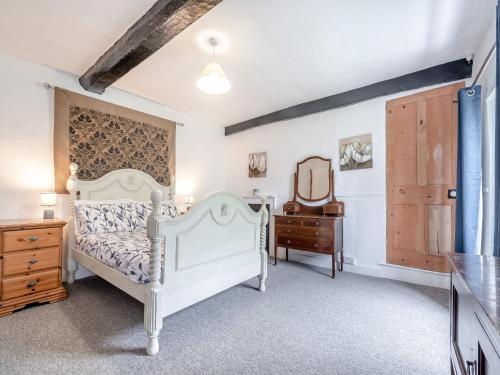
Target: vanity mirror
313	219
313	184
314	179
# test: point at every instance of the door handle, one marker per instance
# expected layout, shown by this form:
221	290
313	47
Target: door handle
471	367
452	193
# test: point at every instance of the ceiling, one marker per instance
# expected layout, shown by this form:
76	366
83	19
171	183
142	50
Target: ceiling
279	52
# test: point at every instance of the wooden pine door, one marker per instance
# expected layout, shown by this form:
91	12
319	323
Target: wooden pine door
421	138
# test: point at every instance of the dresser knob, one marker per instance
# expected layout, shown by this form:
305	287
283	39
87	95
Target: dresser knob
288	230
32	284
317	223
288	221
316	234
33	238
316	245
33	261
288	241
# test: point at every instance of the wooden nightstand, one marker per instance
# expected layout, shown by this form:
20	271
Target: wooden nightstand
30	263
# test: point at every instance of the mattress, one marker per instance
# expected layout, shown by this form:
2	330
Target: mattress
126	252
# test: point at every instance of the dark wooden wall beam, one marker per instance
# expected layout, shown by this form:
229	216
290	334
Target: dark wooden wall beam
448	72
162	22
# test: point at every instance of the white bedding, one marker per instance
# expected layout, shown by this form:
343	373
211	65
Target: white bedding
127	252
114	233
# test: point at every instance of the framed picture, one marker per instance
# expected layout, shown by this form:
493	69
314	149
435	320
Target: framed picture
356	152
257	164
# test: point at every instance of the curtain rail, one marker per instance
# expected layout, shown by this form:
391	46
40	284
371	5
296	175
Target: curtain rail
470	91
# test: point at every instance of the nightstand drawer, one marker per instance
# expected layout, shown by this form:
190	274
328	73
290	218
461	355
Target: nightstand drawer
29	261
30	239
23	285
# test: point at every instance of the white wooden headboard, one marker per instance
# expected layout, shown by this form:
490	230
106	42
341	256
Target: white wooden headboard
120	184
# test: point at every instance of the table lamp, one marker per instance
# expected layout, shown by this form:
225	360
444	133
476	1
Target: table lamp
47	201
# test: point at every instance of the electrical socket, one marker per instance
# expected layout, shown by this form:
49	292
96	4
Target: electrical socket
349	260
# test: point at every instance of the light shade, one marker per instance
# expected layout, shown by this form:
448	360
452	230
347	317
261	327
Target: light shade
213	80
48	199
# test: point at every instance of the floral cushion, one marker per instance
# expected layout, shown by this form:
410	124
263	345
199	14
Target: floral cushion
143	210
126	252
103	218
119	216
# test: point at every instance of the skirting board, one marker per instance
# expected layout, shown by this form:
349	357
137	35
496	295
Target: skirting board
383	270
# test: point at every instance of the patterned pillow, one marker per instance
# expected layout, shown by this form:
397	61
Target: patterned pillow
100	218
143	210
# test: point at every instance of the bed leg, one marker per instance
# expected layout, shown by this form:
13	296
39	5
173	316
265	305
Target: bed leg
153	345
152	320
262	247
71	271
263	271
152	305
262	284
71	276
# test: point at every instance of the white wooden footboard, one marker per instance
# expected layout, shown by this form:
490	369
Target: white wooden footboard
219	243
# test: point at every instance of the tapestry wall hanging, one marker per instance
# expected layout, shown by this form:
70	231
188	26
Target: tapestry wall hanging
101	137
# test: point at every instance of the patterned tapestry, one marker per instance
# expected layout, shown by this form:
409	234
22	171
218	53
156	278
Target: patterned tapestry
100	143
101	137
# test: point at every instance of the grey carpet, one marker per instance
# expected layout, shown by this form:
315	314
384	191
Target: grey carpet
305	323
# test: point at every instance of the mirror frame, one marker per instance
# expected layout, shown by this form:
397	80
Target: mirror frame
330	180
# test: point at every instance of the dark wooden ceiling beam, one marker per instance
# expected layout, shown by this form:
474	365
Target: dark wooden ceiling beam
162	22
448	72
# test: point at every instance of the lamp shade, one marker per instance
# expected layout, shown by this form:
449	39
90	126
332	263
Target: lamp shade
213	80
48	199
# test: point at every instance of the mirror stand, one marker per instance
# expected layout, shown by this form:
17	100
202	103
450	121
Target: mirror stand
298	204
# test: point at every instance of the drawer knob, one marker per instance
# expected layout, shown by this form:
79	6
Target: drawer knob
317	223
288	230
32	284
316	245
288	221
316	234
33	238
288	241
33	261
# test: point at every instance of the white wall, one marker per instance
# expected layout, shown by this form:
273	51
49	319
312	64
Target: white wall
26	131
363	191
26	139
487	82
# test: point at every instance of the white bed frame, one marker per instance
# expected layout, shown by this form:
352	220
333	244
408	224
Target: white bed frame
219	243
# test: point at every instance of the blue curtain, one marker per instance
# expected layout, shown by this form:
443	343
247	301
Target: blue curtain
496	248
468	169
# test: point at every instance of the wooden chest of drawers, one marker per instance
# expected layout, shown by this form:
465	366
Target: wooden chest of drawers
313	233
30	263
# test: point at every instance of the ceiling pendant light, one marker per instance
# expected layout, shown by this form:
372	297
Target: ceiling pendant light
213	80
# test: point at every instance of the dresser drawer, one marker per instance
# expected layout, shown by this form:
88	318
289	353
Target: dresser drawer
306	244
29	261
295	221
318	223
30	239
23	285
310	233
